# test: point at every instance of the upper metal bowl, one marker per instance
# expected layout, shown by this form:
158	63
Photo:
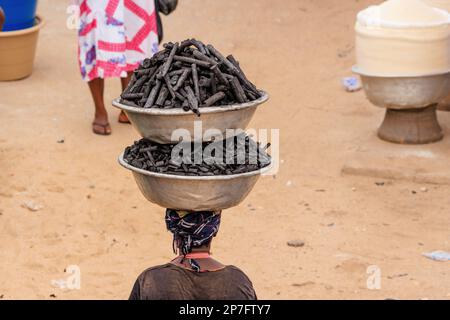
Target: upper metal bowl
405	92
159	125
194	193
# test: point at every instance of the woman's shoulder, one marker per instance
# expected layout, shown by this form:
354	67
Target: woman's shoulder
156	269
237	272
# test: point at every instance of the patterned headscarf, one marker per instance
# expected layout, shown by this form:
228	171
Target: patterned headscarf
192	230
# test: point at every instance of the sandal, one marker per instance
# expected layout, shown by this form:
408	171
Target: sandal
123	118
105	131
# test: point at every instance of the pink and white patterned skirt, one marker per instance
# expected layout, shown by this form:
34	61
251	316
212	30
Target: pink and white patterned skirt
115	36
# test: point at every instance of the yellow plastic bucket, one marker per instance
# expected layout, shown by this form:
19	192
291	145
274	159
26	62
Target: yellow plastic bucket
17	51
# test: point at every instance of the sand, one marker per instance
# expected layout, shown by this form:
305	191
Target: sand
93	215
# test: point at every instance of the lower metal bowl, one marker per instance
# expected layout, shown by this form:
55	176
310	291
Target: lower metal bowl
194	193
159	124
405	92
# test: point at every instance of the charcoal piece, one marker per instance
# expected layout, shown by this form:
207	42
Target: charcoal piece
203	94
204	82
199	45
221	58
132	96
169	86
213	85
219	75
195	80
162	96
138	84
238	90
213	99
250	94
192	61
234	62
242	77
176	72
185	105
129	103
146	93
192	100
200	56
141	72
182	79
186	43
169	61
153	94
130	84
222	88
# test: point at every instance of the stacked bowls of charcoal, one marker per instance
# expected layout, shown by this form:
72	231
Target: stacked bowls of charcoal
18	39
190	92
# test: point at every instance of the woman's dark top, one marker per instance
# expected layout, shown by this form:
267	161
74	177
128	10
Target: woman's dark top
170	282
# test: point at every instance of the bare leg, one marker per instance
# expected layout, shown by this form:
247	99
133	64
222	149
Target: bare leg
125	81
100	125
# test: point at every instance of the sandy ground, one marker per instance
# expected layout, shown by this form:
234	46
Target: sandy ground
94	216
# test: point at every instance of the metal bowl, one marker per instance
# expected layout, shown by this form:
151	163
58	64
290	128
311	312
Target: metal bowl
193	193
159	124
405	92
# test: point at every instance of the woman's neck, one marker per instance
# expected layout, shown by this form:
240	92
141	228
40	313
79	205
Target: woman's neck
203	258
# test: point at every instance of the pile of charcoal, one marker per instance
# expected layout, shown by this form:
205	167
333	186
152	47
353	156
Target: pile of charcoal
235	155
189	75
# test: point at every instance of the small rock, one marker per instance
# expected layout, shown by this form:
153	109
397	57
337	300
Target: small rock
424	189
397	276
32	206
353	189
52	295
380	184
296	243
303	284
331	224
60	141
289	183
414	192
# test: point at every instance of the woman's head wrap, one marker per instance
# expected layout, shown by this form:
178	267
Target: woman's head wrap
192	230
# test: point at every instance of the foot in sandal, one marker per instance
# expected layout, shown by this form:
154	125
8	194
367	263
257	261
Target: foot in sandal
101	129
123	118
101	126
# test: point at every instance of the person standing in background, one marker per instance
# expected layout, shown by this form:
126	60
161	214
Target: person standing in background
115	36
2	18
